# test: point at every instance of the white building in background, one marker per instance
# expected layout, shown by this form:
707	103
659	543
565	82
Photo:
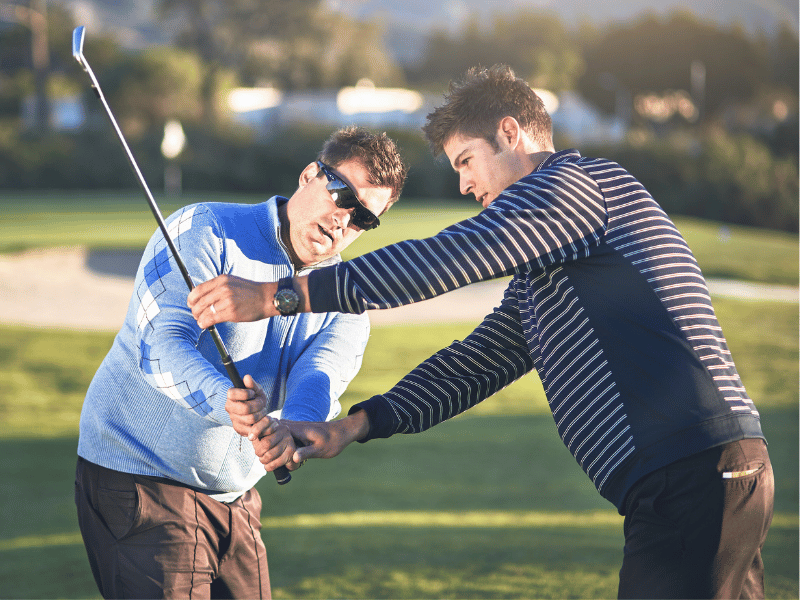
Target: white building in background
66	114
578	122
266	110
581	123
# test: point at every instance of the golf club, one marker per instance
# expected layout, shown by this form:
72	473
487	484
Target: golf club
282	474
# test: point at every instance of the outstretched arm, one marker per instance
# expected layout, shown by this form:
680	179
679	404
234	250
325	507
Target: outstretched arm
554	215
448	383
455	378
319	439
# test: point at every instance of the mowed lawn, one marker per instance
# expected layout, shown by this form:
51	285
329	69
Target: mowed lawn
488	505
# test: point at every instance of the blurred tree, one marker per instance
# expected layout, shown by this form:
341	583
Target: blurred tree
653	55
220	32
34	18
15	41
293	45
535	44
19	74
330	51
147	88
60	24
772	114
785	59
40	58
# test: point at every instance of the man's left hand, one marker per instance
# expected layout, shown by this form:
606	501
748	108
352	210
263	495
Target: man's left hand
231	298
273	444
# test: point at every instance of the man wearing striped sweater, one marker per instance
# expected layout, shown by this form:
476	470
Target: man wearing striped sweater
607	303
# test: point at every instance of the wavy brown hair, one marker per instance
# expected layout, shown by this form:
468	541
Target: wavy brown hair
377	152
475	105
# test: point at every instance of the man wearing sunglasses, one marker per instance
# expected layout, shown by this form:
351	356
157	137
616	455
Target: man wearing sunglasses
164	486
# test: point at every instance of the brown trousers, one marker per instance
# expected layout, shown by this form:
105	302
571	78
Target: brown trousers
148	537
695	528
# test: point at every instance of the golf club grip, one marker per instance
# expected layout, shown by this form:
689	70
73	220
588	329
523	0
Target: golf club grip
282	474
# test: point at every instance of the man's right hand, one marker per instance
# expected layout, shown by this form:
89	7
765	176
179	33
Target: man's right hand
326	440
247	406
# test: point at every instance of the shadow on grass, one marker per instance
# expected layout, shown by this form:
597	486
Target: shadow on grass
491	464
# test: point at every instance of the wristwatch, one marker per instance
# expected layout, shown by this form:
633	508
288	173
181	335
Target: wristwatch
286	299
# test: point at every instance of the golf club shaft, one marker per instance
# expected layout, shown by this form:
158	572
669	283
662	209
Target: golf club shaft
282	474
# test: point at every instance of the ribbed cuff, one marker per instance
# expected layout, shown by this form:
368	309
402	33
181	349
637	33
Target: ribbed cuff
381	422
322	293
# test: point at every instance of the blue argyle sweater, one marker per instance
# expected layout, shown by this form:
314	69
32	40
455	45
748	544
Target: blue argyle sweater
606	302
156	405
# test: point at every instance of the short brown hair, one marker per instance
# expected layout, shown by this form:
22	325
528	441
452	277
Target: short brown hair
477	103
376	151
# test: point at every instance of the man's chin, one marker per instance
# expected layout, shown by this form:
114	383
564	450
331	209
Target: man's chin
318	253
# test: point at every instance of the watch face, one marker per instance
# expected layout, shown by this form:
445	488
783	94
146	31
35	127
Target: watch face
286	301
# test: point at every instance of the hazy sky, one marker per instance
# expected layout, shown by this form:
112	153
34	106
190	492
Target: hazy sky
133	21
754	14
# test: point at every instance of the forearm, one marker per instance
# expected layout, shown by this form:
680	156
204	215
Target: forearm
527	227
184	371
454	379
234	299
326	440
173	355
326	363
352	428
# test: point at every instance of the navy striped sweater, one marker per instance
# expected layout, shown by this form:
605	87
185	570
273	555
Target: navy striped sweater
606	302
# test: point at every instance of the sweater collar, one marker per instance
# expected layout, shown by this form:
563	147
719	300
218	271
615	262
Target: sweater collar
569	155
269	224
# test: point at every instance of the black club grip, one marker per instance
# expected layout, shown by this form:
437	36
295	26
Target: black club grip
282	474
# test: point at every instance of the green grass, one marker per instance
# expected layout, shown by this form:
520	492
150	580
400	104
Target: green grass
735	252
488	505
123	220
51	369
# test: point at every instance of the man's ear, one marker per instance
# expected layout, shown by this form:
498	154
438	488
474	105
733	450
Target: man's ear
509	133
309	173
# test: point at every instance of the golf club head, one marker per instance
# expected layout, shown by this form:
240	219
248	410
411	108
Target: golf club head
77	45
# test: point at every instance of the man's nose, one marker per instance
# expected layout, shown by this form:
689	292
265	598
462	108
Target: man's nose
342	217
465	183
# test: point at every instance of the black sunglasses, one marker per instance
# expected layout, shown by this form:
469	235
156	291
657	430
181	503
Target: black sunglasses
344	197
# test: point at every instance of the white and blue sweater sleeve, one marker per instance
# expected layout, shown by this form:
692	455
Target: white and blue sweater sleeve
320	375
166	332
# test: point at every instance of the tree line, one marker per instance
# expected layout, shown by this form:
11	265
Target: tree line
703	103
